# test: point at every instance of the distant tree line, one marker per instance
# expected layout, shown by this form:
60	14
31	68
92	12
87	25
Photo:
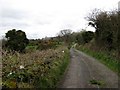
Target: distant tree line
106	35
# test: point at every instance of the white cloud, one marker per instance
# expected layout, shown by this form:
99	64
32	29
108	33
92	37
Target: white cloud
40	18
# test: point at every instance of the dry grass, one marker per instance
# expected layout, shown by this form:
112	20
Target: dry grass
28	69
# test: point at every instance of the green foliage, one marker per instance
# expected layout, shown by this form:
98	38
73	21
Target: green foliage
109	61
38	69
84	37
97	82
47	44
56	72
118	35
16	40
31	48
106	25
87	36
79	39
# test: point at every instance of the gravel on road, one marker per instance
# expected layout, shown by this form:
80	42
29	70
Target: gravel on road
86	72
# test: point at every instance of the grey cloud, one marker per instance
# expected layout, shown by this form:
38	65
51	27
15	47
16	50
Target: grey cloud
13	13
44	19
11	17
14	24
119	5
43	22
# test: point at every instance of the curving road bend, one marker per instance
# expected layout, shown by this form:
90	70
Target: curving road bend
83	70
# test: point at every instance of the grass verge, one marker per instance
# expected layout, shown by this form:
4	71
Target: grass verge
97	82
57	70
107	60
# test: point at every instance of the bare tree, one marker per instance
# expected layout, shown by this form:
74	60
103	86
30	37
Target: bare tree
65	34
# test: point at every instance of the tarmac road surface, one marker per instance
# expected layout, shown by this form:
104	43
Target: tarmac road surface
86	72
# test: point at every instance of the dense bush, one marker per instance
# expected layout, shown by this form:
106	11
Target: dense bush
84	37
16	40
107	31
47	44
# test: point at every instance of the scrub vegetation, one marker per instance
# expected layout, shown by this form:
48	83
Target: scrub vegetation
40	63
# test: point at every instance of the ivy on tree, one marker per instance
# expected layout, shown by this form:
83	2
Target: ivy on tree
16	40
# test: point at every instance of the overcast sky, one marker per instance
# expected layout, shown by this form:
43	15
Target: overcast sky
40	18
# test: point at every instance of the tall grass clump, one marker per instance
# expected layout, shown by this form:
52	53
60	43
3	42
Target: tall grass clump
103	57
37	69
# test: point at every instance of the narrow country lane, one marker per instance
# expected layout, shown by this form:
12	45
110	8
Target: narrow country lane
86	72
